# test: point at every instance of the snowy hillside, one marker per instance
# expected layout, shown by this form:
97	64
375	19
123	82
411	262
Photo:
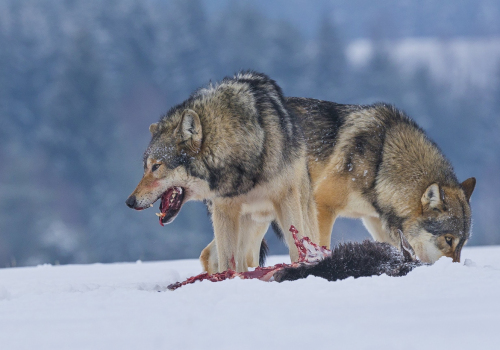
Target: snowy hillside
118	306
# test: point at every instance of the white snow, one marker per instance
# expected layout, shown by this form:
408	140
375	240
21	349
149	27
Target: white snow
117	306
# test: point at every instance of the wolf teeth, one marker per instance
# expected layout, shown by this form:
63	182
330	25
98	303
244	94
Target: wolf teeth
159	215
151	205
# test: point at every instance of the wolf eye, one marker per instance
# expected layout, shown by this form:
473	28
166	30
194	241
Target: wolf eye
155	167
449	240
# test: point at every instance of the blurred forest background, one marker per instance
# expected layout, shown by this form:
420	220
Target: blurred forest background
80	82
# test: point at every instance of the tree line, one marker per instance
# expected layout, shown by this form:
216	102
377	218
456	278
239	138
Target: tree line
80	82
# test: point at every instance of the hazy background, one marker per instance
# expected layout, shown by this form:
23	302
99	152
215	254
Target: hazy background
80	82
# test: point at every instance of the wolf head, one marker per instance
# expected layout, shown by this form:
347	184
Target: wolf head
221	142
444	223
175	142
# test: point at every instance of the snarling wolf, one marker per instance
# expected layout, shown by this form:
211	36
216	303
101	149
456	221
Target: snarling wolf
375	163
235	146
346	260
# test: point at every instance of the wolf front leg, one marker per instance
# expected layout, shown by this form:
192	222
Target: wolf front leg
380	233
251	234
326	220
225	218
289	212
309	211
253	247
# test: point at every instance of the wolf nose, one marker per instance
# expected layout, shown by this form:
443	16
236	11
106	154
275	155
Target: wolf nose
130	202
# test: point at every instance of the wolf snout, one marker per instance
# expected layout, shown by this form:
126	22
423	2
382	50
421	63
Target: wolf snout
131	202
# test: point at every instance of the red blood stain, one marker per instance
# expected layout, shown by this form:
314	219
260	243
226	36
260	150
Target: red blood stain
309	253
233	263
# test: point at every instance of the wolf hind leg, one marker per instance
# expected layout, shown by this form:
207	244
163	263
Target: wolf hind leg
208	258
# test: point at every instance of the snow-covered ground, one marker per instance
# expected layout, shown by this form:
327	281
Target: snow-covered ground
118	306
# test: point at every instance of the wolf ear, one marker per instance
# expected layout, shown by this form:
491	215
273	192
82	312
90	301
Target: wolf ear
406	248
468	187
189	130
432	197
152	128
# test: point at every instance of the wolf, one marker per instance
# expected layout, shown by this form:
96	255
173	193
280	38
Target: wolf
375	163
235	146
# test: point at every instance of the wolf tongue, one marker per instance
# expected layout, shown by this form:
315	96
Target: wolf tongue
169	199
163	207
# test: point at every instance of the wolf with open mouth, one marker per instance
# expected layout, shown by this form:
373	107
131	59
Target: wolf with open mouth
237	147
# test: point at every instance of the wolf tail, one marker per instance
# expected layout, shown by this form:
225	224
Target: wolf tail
277	230
264	250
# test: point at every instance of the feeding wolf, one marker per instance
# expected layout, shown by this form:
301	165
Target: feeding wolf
375	163
235	146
